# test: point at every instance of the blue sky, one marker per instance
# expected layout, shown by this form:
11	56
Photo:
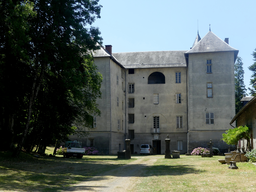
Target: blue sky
168	25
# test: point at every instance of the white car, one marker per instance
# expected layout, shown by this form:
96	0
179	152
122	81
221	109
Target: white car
146	149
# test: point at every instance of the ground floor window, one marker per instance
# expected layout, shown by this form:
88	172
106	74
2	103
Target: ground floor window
209	118
179	145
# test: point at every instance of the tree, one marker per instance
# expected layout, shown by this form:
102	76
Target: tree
232	136
58	78
240	90
253	77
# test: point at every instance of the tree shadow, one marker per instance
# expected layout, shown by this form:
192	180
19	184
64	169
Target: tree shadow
54	174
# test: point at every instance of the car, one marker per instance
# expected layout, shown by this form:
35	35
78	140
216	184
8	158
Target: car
146	149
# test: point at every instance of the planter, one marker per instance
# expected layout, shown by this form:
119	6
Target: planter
222	161
175	154
243	158
228	157
236	156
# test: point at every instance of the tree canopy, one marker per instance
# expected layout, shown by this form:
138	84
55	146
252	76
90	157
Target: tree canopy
252	68
240	90
48	78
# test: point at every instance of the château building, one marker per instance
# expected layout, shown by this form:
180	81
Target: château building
188	95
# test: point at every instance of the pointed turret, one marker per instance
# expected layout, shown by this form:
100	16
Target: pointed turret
198	38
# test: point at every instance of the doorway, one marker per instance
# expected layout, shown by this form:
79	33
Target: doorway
156	147
132	148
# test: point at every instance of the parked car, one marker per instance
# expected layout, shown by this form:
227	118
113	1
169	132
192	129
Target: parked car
146	149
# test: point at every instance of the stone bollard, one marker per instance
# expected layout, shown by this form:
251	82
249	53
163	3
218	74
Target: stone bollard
167	148
128	149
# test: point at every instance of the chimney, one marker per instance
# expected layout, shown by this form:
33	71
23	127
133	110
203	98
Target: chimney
109	49
227	40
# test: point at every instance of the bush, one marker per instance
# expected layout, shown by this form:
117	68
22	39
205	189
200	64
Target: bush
200	151
251	155
91	151
60	151
215	151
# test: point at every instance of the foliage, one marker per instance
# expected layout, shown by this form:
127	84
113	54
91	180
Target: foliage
48	79
91	151
240	90
60	150
232	136
252	68
200	151
251	155
215	151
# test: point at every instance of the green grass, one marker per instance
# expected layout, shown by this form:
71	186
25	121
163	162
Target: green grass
194	173
188	173
28	173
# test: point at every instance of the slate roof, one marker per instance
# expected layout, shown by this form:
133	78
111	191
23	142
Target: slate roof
211	43
152	59
103	53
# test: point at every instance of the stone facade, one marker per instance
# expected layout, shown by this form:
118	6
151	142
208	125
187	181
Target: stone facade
188	95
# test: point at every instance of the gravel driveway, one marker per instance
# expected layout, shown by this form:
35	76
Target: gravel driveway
119	179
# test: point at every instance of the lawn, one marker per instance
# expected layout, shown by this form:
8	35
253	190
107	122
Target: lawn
194	173
189	173
29	173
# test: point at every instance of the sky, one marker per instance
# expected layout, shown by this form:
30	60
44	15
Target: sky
168	25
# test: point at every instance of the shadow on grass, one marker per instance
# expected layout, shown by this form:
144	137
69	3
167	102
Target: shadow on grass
55	174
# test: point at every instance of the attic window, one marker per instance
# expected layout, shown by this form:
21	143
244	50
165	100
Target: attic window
131	71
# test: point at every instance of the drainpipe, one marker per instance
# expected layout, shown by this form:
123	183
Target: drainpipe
125	109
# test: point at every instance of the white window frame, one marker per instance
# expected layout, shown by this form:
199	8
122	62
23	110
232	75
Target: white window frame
209	118
156	122
178	77
156	98
209	66
209	87
178	97
131	87
179	123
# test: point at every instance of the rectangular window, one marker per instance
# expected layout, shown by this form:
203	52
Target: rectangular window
130	71
209	66
131	103
179	121
131	118
178	98
118	124
117	101
156	98
209	118
179	145
178	77
131	87
117	80
131	134
209	90
94	122
156	122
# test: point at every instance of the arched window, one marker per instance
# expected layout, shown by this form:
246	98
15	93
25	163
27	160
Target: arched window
156	78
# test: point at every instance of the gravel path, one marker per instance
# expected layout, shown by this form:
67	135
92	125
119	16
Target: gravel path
120	179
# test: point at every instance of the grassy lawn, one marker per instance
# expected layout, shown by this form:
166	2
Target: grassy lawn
189	173
28	173
194	173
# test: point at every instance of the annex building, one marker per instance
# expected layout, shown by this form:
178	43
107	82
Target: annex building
188	95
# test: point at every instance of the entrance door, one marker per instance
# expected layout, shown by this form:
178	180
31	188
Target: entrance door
132	148
157	146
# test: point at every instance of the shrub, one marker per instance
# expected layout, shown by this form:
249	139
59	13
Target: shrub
215	151
60	151
251	155
91	151
200	151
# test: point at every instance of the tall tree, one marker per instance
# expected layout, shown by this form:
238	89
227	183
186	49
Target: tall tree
252	68
51	56
240	90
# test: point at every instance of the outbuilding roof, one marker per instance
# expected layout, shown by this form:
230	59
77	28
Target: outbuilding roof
152	59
